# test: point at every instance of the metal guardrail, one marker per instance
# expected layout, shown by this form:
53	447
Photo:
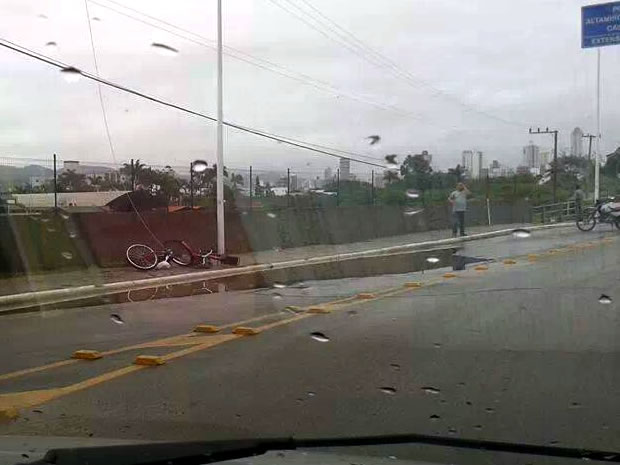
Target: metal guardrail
556	212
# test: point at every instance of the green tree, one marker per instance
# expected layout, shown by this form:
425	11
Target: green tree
134	172
70	181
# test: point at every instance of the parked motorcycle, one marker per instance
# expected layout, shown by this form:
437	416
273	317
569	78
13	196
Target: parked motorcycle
604	211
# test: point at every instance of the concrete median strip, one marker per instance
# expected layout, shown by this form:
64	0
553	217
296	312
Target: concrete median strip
9	303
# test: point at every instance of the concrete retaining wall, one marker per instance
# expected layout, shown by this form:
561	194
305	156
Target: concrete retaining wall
34	243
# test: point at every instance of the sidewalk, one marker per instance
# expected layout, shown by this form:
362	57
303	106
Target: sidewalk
94	275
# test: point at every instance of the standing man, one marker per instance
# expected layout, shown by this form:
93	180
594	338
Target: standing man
458	200
580	196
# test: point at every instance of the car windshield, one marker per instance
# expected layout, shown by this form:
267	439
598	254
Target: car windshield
227	219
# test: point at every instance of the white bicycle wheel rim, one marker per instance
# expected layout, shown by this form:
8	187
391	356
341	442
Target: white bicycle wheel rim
133	263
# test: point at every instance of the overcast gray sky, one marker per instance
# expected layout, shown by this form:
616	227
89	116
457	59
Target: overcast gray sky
519	61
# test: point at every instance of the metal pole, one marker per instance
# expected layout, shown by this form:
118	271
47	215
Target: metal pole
555	165
488	187
338	187
55	186
133	176
288	187
372	187
221	243
191	184
250	187
598	125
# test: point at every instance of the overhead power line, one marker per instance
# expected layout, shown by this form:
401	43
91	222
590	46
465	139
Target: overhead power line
283	139
318	21
99	91
255	61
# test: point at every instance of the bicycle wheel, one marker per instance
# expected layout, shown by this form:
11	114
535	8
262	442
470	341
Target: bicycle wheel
181	255
587	221
141	257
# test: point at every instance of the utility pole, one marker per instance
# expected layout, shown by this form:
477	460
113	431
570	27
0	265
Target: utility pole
133	176
555	157
191	184
288	187
589	137
55	187
250	187
221	243
338	187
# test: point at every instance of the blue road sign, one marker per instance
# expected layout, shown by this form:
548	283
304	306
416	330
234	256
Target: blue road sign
600	25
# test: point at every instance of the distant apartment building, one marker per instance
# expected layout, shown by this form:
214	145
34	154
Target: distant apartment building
294	185
328	175
345	169
473	163
531	156
497	170
576	143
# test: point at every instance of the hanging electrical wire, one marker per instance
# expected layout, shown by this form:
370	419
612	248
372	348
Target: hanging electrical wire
318	21
258	62
68	69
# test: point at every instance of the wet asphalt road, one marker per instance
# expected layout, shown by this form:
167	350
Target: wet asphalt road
522	353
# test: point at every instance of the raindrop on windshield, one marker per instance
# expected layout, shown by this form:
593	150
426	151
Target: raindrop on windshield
42	16
392	457
73	235
51	46
311	394
51	229
412	193
489	410
116	318
575	405
521	233
434	417
431	390
272	215
478	427
67	255
437	345
164	50
318	336
395	366
71	74
199	166
412	211
604	299
96	18
276	296
279	285
451	430
387	390
432	260
64	216
352	312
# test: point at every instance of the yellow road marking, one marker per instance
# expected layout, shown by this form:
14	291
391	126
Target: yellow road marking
19	400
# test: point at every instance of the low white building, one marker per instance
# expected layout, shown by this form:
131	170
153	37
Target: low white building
66	199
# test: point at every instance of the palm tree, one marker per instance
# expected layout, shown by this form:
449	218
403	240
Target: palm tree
236	180
134	169
70	181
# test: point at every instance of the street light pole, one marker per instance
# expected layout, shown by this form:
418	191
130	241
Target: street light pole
221	243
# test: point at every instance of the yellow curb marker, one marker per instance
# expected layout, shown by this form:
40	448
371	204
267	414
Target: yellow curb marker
449	275
149	360
318	310
509	261
366	295
245	331
87	354
206	329
481	268
414	285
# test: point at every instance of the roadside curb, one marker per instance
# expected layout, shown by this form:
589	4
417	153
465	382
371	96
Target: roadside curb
10	303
